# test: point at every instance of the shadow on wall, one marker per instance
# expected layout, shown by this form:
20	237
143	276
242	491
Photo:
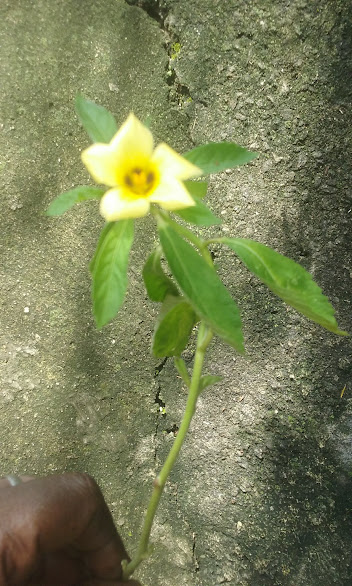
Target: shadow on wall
309	538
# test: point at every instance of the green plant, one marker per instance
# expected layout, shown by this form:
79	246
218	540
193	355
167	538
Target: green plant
143	179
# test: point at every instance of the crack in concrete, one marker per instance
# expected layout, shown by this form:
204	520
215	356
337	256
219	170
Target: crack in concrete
154	9
158	401
195	559
194	556
179	93
160	367
174	429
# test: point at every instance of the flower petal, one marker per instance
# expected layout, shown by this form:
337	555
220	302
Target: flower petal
100	161
171	194
113	206
172	164
133	140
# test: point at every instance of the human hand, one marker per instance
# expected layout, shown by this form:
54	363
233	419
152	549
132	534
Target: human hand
58	531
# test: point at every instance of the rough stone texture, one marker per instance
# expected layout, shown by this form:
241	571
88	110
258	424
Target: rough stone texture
72	397
261	494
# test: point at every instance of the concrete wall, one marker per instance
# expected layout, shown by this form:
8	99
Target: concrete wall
261	493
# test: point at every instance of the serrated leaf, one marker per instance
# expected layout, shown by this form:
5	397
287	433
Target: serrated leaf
66	200
218	156
199	214
208	379
287	279
196	188
109	270
202	287
96	120
158	284
173	327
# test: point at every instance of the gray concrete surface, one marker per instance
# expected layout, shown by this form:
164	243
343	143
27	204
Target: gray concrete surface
261	494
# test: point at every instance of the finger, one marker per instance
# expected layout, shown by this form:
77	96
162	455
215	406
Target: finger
109	583
49	514
4	483
57	569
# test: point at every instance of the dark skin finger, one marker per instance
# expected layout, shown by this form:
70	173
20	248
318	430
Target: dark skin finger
58	530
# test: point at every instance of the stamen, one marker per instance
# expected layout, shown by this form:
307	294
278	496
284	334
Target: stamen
138	177
139	181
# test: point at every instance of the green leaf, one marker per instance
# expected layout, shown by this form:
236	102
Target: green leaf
66	200
218	156
106	228
182	370
158	285
202	287
97	121
199	214
109	270
196	188
208	379
173	327
287	279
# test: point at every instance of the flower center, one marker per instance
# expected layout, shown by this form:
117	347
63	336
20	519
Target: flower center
140	181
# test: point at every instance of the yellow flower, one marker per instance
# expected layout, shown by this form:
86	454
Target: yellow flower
137	173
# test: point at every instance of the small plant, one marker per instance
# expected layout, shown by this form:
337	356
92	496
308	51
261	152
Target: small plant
175	50
142	179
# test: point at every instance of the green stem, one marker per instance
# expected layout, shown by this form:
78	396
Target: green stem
214	241
204	337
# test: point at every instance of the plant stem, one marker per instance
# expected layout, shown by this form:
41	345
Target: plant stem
214	241
204	337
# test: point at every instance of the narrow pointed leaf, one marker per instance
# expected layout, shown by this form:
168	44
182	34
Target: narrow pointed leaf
182	370
287	279
66	200
199	214
202	287
218	156
158	284
173	327
207	380
196	188
96	120
109	270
